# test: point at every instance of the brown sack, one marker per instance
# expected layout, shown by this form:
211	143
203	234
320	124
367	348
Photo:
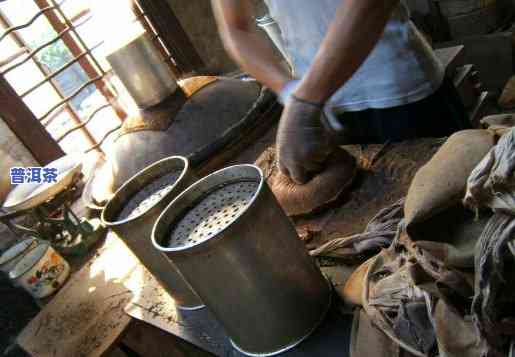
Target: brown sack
368	341
441	183
455	334
451	236
352	292
322	189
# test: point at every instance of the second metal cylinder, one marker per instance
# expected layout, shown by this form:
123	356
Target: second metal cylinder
134	226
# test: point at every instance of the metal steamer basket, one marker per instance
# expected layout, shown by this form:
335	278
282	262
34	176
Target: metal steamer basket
136	230
232	242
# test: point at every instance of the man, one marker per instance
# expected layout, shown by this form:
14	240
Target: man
363	58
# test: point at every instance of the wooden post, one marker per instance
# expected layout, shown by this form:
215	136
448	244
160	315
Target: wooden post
26	127
172	34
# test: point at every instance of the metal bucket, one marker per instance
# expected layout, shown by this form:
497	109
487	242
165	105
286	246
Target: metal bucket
41	272
142	70
232	242
135	230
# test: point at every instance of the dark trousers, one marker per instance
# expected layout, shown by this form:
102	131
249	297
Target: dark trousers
438	115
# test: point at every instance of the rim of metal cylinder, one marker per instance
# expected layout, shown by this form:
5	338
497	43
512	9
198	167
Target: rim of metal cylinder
159	242
128	186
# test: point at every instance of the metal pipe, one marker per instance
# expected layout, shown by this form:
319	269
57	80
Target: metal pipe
232	242
136	231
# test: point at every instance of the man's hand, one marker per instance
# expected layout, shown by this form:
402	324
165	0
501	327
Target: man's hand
303	143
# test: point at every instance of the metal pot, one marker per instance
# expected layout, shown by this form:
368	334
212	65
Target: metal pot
136	231
41	272
232	242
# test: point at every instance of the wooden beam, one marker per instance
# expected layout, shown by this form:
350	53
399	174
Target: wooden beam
172	34
26	127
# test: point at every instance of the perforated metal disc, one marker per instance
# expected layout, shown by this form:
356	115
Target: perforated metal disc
213	214
149	195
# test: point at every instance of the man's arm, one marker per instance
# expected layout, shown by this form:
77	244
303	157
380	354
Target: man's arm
353	34
248	48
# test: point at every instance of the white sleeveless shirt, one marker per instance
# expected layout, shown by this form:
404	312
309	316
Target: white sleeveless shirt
401	69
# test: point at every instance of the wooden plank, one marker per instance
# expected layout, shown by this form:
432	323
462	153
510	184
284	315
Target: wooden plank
482	108
86	317
465	84
149	341
451	58
26	127
491	55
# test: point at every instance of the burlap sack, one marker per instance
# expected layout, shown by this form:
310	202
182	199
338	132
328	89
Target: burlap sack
352	291
498	121
441	183
492	182
402	285
322	189
451	235
494	300
455	334
368	341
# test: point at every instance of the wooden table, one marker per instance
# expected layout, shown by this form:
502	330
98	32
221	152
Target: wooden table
96	309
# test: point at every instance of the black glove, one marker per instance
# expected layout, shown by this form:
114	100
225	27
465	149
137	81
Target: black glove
303	143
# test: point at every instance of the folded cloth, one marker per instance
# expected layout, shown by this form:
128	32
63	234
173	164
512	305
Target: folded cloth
492	183
368	341
494	301
378	234
401	288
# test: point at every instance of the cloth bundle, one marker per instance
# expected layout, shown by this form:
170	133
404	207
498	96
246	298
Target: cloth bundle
378	234
444	287
492	185
320	191
412	304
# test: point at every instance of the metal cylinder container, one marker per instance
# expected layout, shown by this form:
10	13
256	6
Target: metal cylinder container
232	242
135	229
142	70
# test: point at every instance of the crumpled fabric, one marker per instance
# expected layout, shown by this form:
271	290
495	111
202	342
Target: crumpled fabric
368	341
451	236
456	334
492	183
378	234
401	289
493	307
